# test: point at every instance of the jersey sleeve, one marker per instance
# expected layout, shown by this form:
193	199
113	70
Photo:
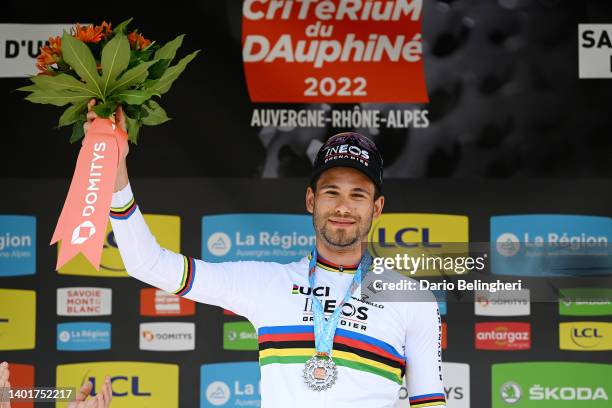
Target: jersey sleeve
231	285
424	355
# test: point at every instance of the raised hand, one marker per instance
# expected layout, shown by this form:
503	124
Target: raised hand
4	383
101	400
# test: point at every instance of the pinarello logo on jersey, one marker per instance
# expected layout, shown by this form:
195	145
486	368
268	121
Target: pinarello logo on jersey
444	340
156	302
340	51
503	336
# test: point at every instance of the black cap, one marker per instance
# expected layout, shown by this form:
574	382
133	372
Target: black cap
350	149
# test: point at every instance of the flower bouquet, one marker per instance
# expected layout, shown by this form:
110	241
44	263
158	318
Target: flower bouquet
115	67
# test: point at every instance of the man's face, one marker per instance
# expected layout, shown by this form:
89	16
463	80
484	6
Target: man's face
343	206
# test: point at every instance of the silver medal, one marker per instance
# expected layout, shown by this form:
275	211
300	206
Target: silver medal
320	372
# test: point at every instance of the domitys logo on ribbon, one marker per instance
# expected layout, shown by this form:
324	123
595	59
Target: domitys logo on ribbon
82	223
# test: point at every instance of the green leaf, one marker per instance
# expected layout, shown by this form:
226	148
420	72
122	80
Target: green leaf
115	59
105	110
79	57
73	114
77	131
156	114
133	127
165	82
122	26
133	96
57	98
131	77
168	51
29	88
158	69
63	82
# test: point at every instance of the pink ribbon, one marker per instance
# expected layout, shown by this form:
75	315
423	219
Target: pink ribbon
81	227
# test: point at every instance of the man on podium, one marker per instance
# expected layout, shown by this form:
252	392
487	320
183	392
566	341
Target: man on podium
326	360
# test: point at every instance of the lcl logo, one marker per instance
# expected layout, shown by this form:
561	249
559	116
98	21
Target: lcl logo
587	332
130	384
408	237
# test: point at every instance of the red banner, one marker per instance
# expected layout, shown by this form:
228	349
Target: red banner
333	51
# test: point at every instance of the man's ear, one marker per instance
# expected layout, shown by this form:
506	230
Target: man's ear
310	196
379	203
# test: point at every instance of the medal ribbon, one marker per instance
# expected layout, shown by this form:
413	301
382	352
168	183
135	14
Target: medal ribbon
325	329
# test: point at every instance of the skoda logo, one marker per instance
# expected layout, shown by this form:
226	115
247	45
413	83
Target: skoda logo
510	392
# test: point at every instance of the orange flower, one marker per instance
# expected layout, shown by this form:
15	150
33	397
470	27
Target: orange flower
137	41
91	33
49	54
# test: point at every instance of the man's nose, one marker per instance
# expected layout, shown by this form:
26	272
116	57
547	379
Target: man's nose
342	207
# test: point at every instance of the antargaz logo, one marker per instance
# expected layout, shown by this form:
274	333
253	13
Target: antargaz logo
503	336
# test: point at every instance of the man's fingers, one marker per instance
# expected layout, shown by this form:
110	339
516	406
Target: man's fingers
84	391
120	118
107	392
4	373
90	105
91	115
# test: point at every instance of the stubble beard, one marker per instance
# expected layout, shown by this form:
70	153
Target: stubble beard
340	239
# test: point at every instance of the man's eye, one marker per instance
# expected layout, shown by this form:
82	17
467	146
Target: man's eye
331	192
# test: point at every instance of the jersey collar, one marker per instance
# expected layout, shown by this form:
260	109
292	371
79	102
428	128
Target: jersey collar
332	267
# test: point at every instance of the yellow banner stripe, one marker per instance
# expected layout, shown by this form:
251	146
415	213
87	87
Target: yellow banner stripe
428	404
340	354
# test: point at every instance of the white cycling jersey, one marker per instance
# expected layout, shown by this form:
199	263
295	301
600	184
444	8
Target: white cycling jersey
374	346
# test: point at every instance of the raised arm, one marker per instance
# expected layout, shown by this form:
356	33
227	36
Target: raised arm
424	356
232	285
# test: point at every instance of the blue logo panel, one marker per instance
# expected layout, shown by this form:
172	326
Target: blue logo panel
230	385
17	245
280	238
441	298
551	245
83	336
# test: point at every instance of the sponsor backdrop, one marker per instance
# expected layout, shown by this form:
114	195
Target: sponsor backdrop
507	98
502	349
449	88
